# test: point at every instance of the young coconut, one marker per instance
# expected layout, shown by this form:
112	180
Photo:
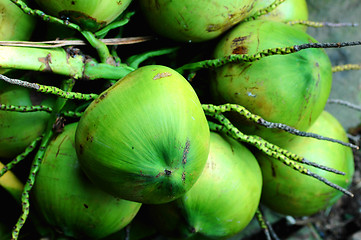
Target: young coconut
69	202
194	21
19	129
292	89
288	192
91	15
290	10
221	203
15	25
146	138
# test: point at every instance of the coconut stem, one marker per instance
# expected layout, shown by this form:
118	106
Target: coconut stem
346	67
324	180
29	184
67	85
270	149
264	11
43	16
228	128
21	156
262	223
59	61
49	89
259	120
237	58
135	60
72	114
13	108
345	103
101	48
321	24
113	25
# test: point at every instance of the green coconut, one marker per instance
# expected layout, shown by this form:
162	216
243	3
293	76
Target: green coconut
195	21
290	10
291	89
19	129
69	202
15	25
289	192
89	14
146	138
221	203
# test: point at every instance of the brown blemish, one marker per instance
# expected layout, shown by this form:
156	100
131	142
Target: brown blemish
102	96
57	152
185	152
238	45
81	149
162	75
239	40
183	176
89	138
240	50
72	2
273	170
46	60
167	172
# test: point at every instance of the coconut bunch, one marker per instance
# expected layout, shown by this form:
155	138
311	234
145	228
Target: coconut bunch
166	119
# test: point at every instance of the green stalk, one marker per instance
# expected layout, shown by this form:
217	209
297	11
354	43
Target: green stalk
242	111
321	24
269	149
100	47
55	60
116	24
38	13
59	61
135	60
237	58
48	135
94	70
264	11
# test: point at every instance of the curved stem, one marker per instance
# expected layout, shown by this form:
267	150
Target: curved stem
101	47
116	24
346	67
45	17
242	111
237	58
135	60
228	128
321	24
264	11
48	135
